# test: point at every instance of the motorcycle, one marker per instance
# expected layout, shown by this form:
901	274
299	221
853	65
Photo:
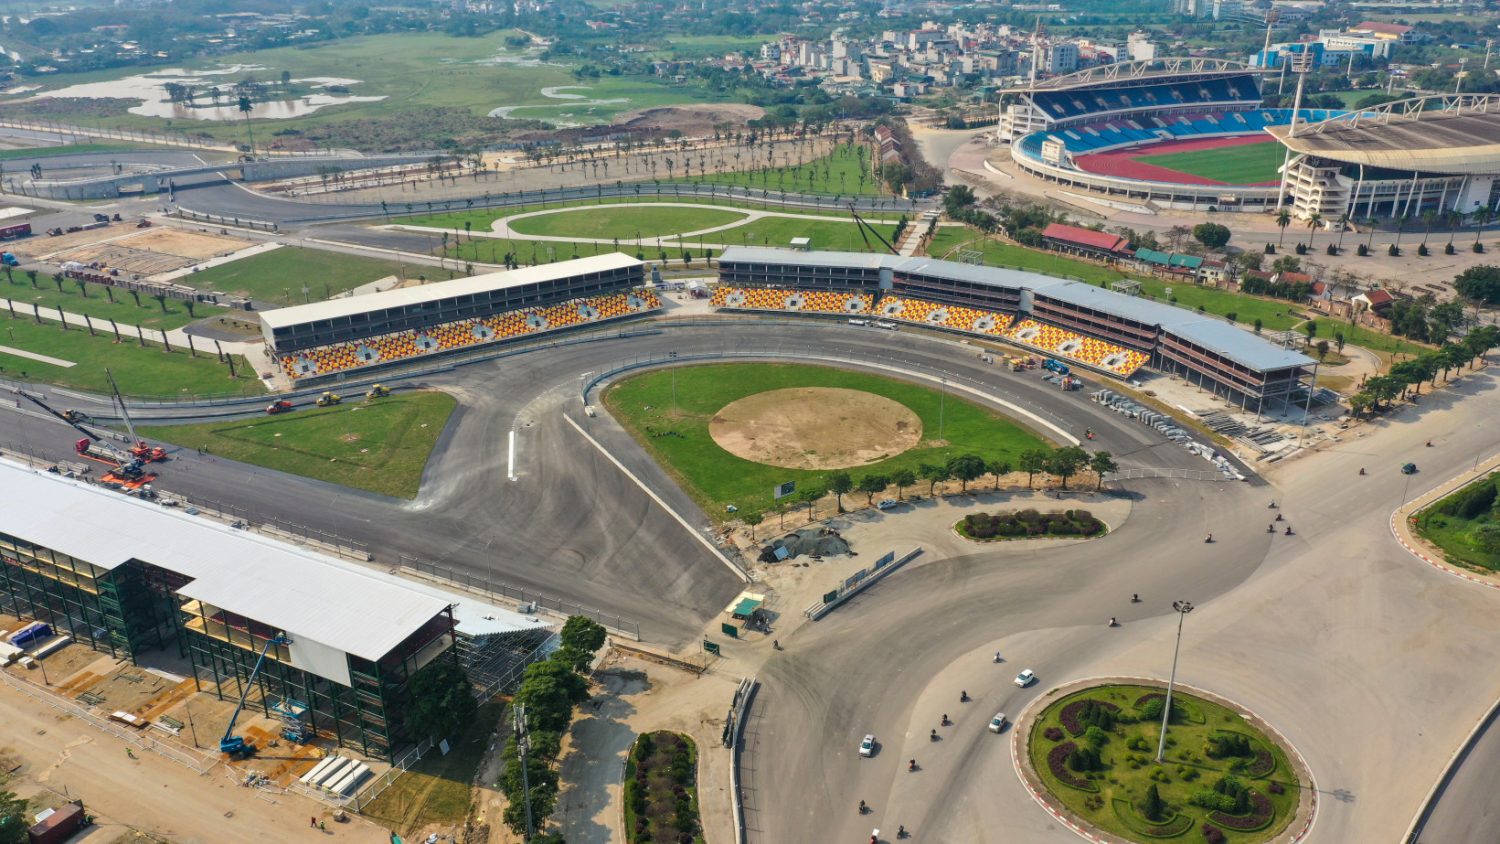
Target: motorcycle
1135	599
1113	622
1208	540
1361	470
1270	528
863	809
963	697
933	736
912	765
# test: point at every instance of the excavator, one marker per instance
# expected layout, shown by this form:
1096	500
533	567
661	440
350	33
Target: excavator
125	468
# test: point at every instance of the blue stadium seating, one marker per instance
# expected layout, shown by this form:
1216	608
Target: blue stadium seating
1081	140
1064	105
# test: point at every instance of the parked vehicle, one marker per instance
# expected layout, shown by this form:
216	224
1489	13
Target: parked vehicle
15	230
886	503
9	259
1056	366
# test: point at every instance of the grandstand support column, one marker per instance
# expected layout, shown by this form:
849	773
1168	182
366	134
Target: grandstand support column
1312	387
1299	62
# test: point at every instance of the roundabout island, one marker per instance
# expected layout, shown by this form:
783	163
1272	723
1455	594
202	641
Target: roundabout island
1092	754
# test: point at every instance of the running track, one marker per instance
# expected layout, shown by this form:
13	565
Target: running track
1124	163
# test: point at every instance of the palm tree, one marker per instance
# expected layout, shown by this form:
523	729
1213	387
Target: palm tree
1428	218
1453	220
1283	219
1343	227
1400	227
1313	221
1481	217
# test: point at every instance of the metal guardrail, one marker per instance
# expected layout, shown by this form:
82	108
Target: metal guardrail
222	220
500	591
1177	474
859	582
743	697
193	762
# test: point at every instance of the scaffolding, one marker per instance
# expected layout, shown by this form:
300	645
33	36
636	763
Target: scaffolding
1128	286
970	256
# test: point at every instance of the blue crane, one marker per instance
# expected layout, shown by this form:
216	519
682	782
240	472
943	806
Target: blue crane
236	745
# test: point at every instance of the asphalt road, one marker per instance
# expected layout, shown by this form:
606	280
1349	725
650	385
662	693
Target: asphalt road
1362	655
573	525
1468	808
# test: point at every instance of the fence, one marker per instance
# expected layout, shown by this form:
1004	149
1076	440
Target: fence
79	132
192	761
1177	474
732	734
532	599
221	220
858	582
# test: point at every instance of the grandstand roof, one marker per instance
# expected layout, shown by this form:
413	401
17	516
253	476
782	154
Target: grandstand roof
352	305
359	611
1153	69
1085	237
1206	332
1449	134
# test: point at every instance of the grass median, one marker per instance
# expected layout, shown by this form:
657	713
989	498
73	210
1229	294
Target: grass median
280	274
380	446
669	412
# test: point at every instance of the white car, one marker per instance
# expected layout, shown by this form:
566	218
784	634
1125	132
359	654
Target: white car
997	723
886	504
867	747
1025	678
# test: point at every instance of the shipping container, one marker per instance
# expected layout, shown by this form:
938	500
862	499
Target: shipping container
14	230
58	826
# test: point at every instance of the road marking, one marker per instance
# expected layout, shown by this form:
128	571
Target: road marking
22	353
738	572
510	456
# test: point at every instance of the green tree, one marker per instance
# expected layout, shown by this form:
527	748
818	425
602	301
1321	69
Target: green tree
1479	284
549	690
903	478
1066	461
1322	349
871	484
809	496
1153	808
839	483
752	518
1283	219
1311	329
934	475
583	634
440	701
966	468
999	468
1338	341
1102	462
1211	235
14	819
1031	461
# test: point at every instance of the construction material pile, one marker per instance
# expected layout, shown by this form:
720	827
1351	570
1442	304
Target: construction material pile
809	542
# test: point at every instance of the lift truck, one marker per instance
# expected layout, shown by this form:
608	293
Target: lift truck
125	469
236	746
141	449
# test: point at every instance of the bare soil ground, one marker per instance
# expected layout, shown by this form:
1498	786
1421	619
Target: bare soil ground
815	428
691	120
146	252
188	244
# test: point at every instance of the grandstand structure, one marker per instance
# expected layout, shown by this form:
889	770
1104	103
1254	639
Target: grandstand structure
378	329
1061	129
1074	322
341	641
1400	159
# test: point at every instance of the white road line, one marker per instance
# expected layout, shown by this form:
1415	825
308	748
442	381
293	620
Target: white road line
510	456
738	572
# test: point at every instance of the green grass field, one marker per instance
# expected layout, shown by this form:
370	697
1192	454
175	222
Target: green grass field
997	253
1275	315
677	435
68	149
839	173
279	275
381	446
1247	164
412	71
779	231
93	301
480	219
1109	798
624	223
491	250
439	788
140	371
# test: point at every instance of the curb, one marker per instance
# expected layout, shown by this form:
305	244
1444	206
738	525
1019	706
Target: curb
1409	508
1038	795
1424	811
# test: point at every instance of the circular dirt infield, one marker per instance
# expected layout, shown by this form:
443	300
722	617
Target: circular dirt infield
815	428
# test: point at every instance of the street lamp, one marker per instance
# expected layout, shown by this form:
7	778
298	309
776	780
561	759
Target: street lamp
1182	608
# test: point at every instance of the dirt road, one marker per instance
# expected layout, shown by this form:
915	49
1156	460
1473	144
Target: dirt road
149	793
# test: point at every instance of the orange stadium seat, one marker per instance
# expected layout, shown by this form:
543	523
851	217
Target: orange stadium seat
1076	347
955	317
784	299
340	357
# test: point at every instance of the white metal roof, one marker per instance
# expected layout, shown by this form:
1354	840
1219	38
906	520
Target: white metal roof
1207	332
406	296
333	602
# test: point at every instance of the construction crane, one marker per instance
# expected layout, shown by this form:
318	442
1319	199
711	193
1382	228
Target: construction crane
125	468
141	449
234	745
865	226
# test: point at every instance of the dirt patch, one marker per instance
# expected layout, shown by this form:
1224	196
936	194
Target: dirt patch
695	120
815	428
188	244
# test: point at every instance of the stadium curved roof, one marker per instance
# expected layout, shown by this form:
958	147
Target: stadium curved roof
1114	74
1456	134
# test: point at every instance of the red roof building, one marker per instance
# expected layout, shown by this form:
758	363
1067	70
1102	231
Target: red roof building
1081	241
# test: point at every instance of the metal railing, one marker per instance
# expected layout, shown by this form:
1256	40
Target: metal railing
192	761
222	220
499	591
1177	474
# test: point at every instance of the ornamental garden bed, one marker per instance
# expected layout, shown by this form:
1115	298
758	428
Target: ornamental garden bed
661	790
1223	780
1465	525
1030	524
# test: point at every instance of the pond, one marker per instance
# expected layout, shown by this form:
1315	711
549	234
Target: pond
574	102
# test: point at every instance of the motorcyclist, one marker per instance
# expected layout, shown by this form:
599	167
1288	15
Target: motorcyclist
900	832
912	765
862	807
1270	528
933	736
1112	622
945	719
997	656
963	697
1209	538
1272	505
1288	530
1135	598
1361	470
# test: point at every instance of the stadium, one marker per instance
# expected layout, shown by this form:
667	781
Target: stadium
1191	134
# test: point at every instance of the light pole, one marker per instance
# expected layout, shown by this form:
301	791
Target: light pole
1182	608
942	404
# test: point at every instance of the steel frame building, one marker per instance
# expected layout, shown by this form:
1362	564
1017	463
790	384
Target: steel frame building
128	577
371	315
1216	355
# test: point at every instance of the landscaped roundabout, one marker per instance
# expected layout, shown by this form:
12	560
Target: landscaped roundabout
1087	752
